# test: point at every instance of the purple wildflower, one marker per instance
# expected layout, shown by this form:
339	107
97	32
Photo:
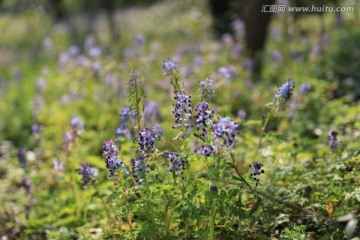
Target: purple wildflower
68	139
35	130
333	141
207	89
21	156
126	117
121	133
203	117
308	191
27	184
58	164
151	111
139	41
256	170
109	148
76	125
205	150
305	88
169	67
113	162
88	174
182	110
228	72
146	141
157	131
178	164
284	92
139	168
225	131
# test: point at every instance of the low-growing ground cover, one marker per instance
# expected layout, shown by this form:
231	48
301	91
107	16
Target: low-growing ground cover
165	134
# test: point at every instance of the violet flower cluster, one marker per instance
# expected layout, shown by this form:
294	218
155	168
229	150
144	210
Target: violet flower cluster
333	140
203	118
207	89
21	156
139	168
177	163
157	131
284	92
146	141
182	110
69	137
256	171
224	132
88	174
113	162
76	125
205	150
127	117
169	67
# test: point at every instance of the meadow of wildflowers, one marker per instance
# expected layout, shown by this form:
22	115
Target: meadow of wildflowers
166	133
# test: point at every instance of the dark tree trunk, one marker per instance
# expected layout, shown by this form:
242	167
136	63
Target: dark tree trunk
58	9
257	23
222	16
109	6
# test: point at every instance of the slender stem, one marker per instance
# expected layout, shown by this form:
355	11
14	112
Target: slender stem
212	217
262	135
167	222
104	204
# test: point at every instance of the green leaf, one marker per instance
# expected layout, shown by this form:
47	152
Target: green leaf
276	137
252	122
256	206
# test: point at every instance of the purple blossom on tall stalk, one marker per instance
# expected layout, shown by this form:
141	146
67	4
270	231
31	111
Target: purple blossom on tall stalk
203	118
182	110
151	112
284	93
139	41
157	131
333	140
169	67
76	125
177	163
21	156
146	141
224	132
122	133
36	130
88	174
256	171
139	168
207	89
305	88
127	117
228	72
113	162
68	139
58	164
205	150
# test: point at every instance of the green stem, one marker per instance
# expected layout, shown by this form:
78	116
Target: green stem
262	135
212	217
104	204
167	218
76	194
